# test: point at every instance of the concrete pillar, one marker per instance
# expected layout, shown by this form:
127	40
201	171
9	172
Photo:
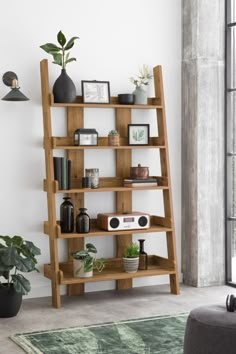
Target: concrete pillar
203	171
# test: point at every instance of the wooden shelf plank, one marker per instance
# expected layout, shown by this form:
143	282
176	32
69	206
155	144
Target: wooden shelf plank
107	184
153	103
113	271
164	225
67	143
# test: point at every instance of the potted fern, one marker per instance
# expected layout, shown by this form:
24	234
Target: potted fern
84	263
17	256
131	258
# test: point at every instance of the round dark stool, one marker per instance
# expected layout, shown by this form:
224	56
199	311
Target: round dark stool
210	330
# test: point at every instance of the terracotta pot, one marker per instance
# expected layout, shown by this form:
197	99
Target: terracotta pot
139	172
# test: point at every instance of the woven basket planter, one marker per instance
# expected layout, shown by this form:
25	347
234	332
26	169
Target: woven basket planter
114	139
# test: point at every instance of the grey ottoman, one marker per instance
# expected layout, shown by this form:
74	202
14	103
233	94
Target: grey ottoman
210	330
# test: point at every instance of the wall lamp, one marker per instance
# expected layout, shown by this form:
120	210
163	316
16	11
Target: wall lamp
10	79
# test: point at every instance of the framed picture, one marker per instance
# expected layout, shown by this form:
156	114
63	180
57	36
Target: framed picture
95	91
138	134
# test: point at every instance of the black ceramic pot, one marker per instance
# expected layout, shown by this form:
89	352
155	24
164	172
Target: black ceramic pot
10	301
64	90
126	98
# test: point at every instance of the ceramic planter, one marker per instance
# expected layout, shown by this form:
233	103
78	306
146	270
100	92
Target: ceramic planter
78	268
130	264
10	301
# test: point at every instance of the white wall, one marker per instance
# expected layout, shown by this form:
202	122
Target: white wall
116	38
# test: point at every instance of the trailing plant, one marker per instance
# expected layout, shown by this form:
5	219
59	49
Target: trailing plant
17	255
132	251
59	53
89	262
143	77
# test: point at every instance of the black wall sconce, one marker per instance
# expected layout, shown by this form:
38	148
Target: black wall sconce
10	79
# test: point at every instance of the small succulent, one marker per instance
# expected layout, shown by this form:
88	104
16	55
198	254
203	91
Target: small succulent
132	251
59	53
113	132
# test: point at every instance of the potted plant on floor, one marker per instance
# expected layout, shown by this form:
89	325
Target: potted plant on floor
16	255
84	262
131	258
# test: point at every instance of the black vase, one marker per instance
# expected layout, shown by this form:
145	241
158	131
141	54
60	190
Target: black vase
10	301
64	90
67	216
82	221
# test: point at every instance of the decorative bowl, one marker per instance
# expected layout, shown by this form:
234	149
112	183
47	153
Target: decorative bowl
126	98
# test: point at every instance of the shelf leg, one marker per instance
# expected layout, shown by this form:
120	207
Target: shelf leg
56	298
174	284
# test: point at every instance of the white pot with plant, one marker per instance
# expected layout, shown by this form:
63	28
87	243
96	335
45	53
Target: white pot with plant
64	90
113	138
141	81
84	263
131	258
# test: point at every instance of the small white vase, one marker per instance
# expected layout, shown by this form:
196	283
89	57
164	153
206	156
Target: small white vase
78	267
140	95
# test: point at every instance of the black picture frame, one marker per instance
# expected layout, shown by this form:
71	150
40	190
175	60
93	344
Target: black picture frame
95	91
138	134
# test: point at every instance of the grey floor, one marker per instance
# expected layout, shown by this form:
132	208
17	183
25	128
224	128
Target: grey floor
38	314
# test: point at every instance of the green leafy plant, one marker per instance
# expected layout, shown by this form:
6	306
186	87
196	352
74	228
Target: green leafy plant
138	135
17	255
89	262
59	53
113	132
132	251
143	77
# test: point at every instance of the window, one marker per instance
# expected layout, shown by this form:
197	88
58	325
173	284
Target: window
231	142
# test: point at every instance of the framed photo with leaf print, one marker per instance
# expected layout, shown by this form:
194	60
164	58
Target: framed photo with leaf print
138	134
95	91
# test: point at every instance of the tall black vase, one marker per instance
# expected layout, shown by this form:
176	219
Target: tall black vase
64	90
10	301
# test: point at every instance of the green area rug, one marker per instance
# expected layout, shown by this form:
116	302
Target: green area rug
153	335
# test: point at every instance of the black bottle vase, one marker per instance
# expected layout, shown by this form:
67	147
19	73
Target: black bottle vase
82	221
143	257
64	90
67	216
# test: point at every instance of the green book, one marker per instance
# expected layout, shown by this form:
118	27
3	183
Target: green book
64	175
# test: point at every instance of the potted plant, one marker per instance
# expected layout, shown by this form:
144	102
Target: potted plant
113	138
16	255
131	258
84	262
140	81
64	90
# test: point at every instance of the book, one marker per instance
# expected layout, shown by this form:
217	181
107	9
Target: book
139	180
64	176
68	174
140	184
62	172
57	170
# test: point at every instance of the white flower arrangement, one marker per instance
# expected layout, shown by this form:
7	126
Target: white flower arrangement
143	78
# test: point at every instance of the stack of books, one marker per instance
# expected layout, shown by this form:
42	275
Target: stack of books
62	172
136	182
